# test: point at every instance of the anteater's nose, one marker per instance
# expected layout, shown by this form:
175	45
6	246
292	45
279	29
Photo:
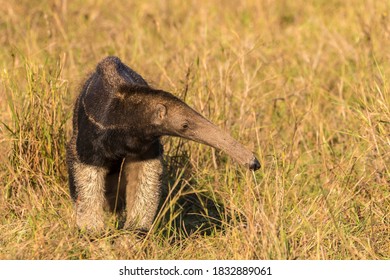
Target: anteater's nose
254	164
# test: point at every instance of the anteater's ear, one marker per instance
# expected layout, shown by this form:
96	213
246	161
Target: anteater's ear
160	112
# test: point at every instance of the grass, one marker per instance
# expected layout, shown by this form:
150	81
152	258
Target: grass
304	84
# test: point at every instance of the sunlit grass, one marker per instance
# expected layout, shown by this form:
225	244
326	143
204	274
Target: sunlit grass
302	84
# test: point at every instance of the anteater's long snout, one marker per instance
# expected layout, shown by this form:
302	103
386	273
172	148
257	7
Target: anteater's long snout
209	134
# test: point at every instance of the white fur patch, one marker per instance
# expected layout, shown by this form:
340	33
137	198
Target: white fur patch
147	196
90	183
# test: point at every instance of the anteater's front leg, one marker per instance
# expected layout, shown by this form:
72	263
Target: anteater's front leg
89	185
143	181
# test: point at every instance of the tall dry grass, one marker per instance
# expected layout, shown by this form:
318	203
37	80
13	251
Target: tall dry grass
304	84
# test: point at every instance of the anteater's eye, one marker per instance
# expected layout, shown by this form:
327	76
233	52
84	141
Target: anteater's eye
185	126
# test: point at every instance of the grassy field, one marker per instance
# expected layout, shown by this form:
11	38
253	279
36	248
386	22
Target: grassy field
304	84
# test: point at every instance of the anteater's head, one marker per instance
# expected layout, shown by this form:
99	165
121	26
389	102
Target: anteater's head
171	116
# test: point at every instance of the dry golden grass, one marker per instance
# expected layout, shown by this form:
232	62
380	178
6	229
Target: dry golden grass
304	84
